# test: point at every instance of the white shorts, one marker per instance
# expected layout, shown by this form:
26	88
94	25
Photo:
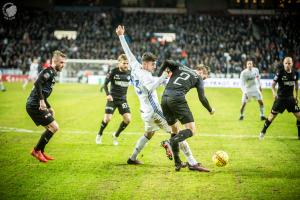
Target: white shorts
156	122
253	94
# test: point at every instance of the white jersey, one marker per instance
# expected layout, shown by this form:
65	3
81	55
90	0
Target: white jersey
144	84
33	72
250	80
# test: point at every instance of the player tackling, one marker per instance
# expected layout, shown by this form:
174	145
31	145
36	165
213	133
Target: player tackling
145	87
175	107
251	88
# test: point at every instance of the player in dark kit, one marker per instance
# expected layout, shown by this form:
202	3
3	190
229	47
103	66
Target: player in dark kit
119	79
174	104
287	79
38	107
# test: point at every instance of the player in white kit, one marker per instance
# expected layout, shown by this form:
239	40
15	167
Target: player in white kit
33	73
145	87
251	88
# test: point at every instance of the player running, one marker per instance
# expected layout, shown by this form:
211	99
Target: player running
251	88
119	79
175	107
287	79
145	87
38	107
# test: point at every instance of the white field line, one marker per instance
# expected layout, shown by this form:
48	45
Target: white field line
21	130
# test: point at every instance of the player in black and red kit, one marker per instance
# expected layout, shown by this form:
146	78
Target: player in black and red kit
38	107
287	79
175	107
119	79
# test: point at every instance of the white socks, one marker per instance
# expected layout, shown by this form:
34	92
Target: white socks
262	110
184	147
139	147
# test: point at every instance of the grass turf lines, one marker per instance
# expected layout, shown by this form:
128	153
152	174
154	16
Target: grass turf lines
269	169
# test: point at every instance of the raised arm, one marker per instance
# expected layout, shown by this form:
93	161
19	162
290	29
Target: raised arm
120	30
202	97
172	65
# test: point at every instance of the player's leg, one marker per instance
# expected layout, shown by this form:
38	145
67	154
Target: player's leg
242	109
109	110
259	99
278	107
124	110
139	146
44	118
297	115
2	87
294	108
150	128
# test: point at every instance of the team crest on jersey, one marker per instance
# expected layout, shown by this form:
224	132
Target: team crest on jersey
46	75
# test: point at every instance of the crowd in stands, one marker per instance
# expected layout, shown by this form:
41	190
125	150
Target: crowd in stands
221	42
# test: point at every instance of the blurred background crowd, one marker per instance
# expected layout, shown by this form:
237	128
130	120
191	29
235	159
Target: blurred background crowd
222	42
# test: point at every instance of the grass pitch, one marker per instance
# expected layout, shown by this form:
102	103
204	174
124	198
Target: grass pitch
83	170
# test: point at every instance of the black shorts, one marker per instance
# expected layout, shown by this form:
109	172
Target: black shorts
40	117
281	104
176	108
120	104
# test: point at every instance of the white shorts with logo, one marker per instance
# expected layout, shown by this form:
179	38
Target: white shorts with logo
156	122
251	95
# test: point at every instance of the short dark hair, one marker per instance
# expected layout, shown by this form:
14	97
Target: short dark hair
148	56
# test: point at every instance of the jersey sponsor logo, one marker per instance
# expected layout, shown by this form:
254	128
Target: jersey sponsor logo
46	75
122	83
288	83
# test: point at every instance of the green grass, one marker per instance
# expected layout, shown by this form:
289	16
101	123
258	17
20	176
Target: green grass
82	170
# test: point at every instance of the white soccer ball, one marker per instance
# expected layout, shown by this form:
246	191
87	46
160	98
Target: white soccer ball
220	158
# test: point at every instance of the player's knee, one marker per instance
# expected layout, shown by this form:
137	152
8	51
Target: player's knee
107	118
127	119
53	127
149	135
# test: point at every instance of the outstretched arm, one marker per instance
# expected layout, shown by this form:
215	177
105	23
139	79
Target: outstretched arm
120	30
202	97
172	65
153	82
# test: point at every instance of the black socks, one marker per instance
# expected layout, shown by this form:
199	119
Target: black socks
181	136
122	126
45	137
266	125
102	127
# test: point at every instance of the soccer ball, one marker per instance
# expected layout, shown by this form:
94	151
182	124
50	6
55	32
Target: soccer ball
220	158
